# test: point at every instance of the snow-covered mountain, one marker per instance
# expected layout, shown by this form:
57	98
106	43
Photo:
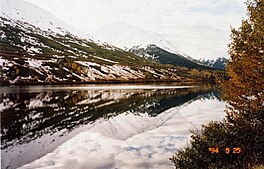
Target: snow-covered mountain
219	63
127	36
36	47
163	56
136	40
32	14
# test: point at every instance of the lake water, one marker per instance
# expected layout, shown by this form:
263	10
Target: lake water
101	126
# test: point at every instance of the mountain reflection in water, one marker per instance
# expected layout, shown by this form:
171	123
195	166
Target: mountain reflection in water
39	121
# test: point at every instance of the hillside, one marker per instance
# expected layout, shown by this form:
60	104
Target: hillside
165	57
31	55
38	48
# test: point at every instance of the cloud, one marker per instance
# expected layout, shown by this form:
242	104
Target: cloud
199	28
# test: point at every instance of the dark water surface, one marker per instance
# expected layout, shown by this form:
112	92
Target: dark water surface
36	120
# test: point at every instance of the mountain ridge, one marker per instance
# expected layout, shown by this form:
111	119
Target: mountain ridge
126	36
133	39
165	57
218	63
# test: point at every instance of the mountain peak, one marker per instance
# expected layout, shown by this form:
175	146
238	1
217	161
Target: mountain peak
26	12
127	36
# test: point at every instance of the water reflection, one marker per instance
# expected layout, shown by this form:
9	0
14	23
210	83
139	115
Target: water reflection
29	115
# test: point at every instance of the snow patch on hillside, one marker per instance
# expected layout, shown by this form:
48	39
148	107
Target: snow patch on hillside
2	61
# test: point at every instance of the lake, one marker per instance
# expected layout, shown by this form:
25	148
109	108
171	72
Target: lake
101	126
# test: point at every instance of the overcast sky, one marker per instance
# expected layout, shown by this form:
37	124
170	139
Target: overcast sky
200	28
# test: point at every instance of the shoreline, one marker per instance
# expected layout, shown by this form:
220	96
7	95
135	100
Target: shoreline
136	81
